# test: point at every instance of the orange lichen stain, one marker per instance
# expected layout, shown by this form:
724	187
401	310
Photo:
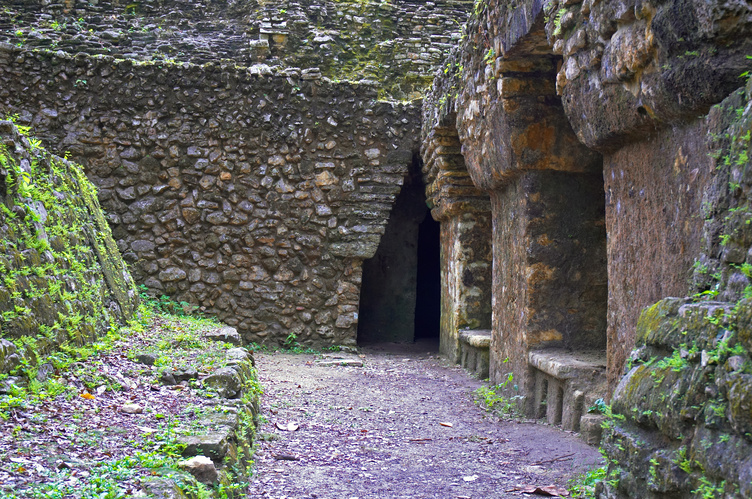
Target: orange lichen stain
549	335
537	136
534	197
544	240
510	87
518	65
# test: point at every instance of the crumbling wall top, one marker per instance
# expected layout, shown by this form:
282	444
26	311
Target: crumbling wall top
396	44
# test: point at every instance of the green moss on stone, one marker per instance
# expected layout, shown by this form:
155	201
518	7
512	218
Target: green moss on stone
72	289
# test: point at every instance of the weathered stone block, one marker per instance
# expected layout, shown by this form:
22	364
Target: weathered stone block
213	445
226	334
202	468
225	381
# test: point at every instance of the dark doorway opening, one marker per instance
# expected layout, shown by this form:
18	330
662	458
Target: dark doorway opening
400	296
428	299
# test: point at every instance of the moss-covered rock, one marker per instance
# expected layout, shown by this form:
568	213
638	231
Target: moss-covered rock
683	412
63	279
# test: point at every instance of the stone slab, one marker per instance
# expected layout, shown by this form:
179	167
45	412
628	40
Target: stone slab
476	338
565	365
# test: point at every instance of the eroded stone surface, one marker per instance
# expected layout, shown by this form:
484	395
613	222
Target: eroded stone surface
240	193
62	271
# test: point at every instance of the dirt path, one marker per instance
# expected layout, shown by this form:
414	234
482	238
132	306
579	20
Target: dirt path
376	432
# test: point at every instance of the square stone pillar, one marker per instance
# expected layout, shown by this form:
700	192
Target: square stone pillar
464	212
465	277
549	269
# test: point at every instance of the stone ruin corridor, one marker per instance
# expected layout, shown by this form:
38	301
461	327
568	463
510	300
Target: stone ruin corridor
554	191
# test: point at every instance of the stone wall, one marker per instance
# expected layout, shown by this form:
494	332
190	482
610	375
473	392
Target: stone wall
549	261
636	82
531	83
684	409
651	185
398	43
549	282
255	197
634	78
63	279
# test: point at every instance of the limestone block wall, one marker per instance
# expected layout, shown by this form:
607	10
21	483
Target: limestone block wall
255	197
654	67
684	406
549	283
398	43
63	279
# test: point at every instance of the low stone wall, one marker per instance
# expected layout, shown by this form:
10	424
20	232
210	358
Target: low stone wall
253	196
63	278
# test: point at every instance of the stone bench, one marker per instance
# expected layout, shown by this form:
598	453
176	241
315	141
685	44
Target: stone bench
475	345
566	385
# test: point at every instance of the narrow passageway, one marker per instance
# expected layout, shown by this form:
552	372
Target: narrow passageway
402	425
400	296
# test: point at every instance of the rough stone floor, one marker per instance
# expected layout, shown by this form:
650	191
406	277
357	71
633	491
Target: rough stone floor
404	425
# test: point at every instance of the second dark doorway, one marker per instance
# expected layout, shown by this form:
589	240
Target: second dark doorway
400	297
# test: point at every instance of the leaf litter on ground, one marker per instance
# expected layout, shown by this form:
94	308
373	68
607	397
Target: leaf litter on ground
101	425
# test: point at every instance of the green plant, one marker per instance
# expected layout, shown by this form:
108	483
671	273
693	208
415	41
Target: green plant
707	490
490	56
583	486
495	398
557	21
291	341
598	407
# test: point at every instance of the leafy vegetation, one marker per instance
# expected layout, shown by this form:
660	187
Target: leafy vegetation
496	398
83	376
55	250
583	486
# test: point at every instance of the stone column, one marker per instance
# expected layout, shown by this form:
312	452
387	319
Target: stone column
546	189
549	263
464	214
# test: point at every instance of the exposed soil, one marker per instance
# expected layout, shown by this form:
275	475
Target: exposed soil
403	425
